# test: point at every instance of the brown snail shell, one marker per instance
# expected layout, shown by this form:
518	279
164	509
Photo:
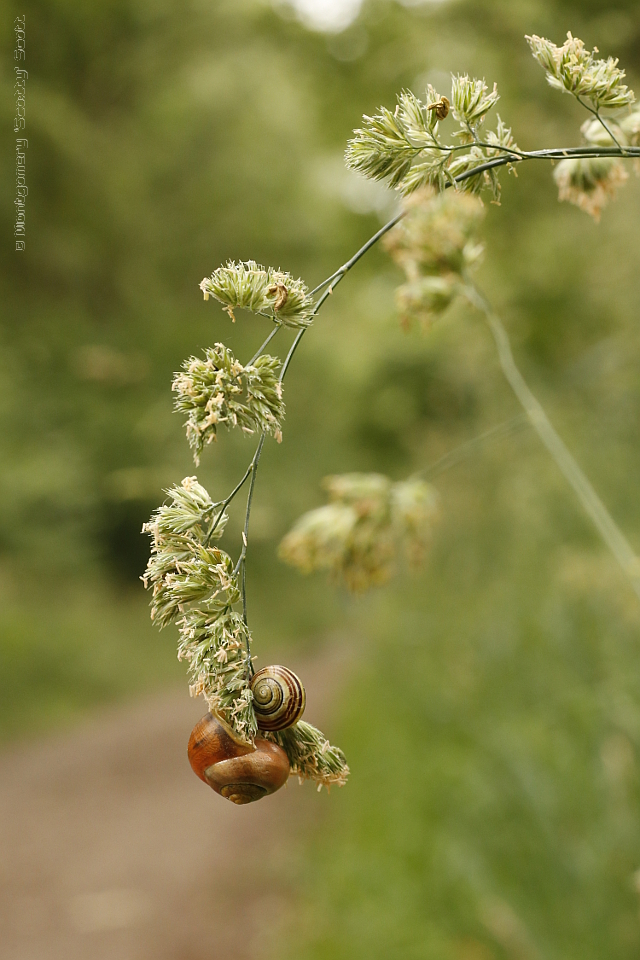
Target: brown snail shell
233	769
278	697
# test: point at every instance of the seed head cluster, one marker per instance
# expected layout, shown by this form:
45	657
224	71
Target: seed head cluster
405	147
217	390
358	536
590	182
193	585
271	293
311	755
574	69
436	244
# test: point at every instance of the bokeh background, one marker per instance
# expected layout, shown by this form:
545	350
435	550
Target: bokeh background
489	706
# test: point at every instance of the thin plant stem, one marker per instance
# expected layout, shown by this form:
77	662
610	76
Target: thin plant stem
245	532
332	281
584	150
366	247
241	564
335	279
227	501
558	154
606	126
508	157
324	283
572	472
264	345
292	350
600	120
466	449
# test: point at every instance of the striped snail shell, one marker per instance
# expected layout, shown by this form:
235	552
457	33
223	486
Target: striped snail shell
278	698
235	770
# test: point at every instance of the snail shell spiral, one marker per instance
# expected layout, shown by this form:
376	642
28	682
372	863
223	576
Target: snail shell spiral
237	771
278	698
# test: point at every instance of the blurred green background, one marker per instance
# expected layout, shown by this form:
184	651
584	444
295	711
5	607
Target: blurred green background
492	715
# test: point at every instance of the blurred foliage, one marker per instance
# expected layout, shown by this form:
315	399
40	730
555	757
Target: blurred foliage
492	723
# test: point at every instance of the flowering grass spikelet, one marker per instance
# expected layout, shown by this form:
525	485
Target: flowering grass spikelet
471	99
403	147
497	142
423	300
269	292
589	183
194	584
436	245
501	139
311	755
181	571
179	543
573	69
387	145
317	540
438	234
215	646
414	508
624	130
189	511
217	389
357	536
630	127
366	492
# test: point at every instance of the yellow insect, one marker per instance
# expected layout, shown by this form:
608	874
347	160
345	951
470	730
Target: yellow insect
441	108
282	295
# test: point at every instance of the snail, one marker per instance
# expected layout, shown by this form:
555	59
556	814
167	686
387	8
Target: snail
278	698
237	771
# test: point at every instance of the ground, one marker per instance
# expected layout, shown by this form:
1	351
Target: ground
111	847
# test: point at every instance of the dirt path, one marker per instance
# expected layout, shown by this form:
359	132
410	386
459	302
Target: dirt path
111	848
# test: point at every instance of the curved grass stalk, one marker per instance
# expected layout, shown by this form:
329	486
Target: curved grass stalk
467	449
569	467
